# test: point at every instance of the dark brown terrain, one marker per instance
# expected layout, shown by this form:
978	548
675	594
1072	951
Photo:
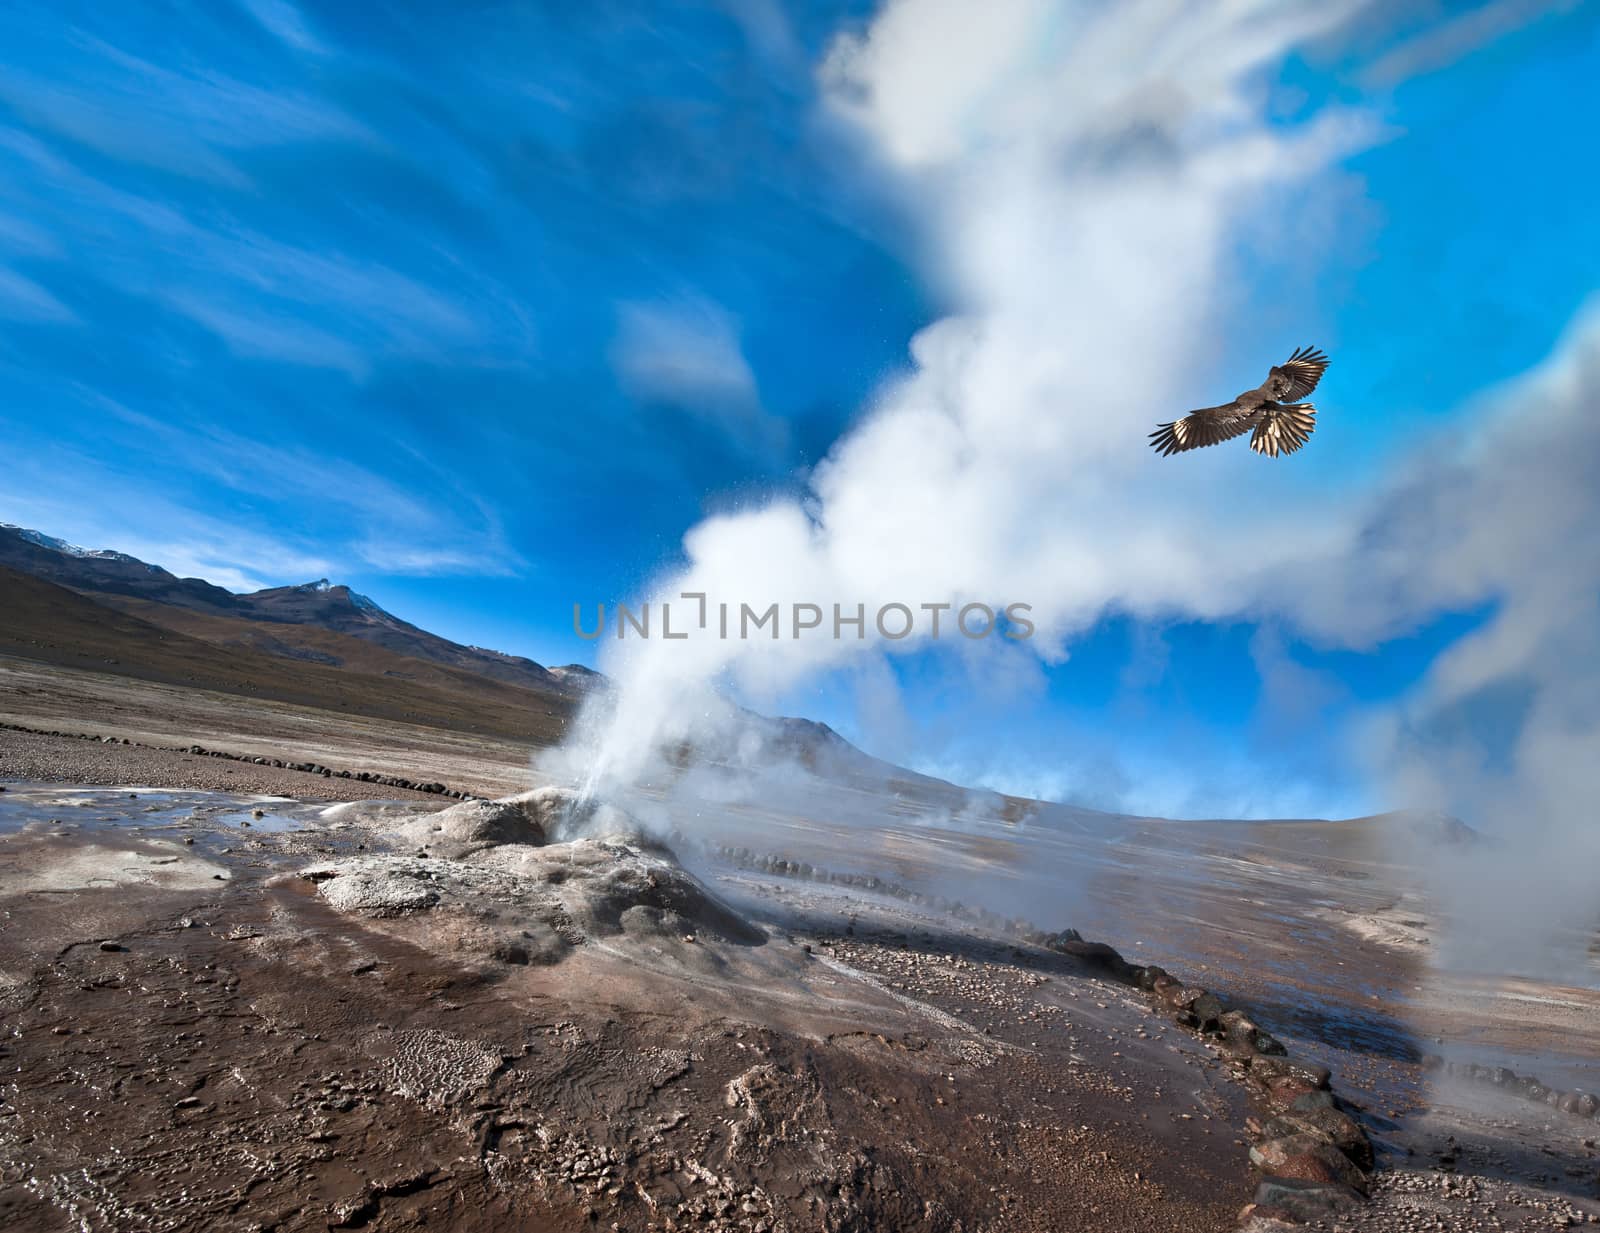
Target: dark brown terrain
45	622
289	621
228	1000
203	1049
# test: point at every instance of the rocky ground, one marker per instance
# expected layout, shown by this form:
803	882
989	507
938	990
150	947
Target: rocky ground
157	719
311	1019
30	755
334	1014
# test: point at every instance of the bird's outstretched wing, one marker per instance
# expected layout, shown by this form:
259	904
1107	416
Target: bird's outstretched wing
1282	430
1304	368
1208	426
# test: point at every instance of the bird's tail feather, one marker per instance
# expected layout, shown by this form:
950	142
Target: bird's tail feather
1283	430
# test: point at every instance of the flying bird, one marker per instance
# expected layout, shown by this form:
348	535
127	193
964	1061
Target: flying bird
1280	427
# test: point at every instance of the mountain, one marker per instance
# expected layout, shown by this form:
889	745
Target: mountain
114	573
343	611
277	621
578	678
40	620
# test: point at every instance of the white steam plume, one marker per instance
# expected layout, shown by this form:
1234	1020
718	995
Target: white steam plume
1083	218
1084	173
1504	730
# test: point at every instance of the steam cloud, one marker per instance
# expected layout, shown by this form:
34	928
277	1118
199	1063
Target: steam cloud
1086	217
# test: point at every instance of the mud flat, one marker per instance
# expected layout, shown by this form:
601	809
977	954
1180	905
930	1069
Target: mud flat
928	1070
304	1019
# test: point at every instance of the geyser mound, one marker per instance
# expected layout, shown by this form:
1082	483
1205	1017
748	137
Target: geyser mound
528	879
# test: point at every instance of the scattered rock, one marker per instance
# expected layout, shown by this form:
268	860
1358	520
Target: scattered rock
1337	1128
1301	1202
1307	1157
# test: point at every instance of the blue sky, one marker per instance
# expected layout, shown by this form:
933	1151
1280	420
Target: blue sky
480	308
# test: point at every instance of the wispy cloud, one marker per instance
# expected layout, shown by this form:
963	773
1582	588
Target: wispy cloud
686	353
1440	46
177	537
288	23
22	299
262	333
435	526
406	558
181	116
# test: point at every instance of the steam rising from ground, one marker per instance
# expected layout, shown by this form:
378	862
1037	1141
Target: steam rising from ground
1083	220
1084	175
1505	729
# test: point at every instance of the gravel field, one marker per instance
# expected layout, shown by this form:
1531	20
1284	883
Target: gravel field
1076	1119
65	759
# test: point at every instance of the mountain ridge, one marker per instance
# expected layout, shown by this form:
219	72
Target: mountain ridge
115	578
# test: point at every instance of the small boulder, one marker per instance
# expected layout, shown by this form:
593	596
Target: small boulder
472	826
1338	1128
1310	1101
378	886
1294	1201
1096	955
1268	1069
1244	1036
1308	1158
1207	1011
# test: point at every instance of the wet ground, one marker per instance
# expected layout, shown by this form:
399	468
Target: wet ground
1317	927
194	1039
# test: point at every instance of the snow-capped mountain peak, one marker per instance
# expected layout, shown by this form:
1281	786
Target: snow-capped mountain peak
41	540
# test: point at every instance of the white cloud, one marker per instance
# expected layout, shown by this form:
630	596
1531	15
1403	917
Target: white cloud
687	353
404	557
921	81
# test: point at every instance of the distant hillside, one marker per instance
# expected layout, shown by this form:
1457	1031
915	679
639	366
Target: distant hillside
55	560
162	598
42	621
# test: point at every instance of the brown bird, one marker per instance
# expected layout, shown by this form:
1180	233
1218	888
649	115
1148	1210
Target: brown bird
1280	427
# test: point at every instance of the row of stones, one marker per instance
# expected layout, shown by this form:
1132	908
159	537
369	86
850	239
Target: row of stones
309	768
745	858
1576	1102
1314	1156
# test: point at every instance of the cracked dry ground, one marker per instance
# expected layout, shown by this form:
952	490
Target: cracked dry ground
248	1059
